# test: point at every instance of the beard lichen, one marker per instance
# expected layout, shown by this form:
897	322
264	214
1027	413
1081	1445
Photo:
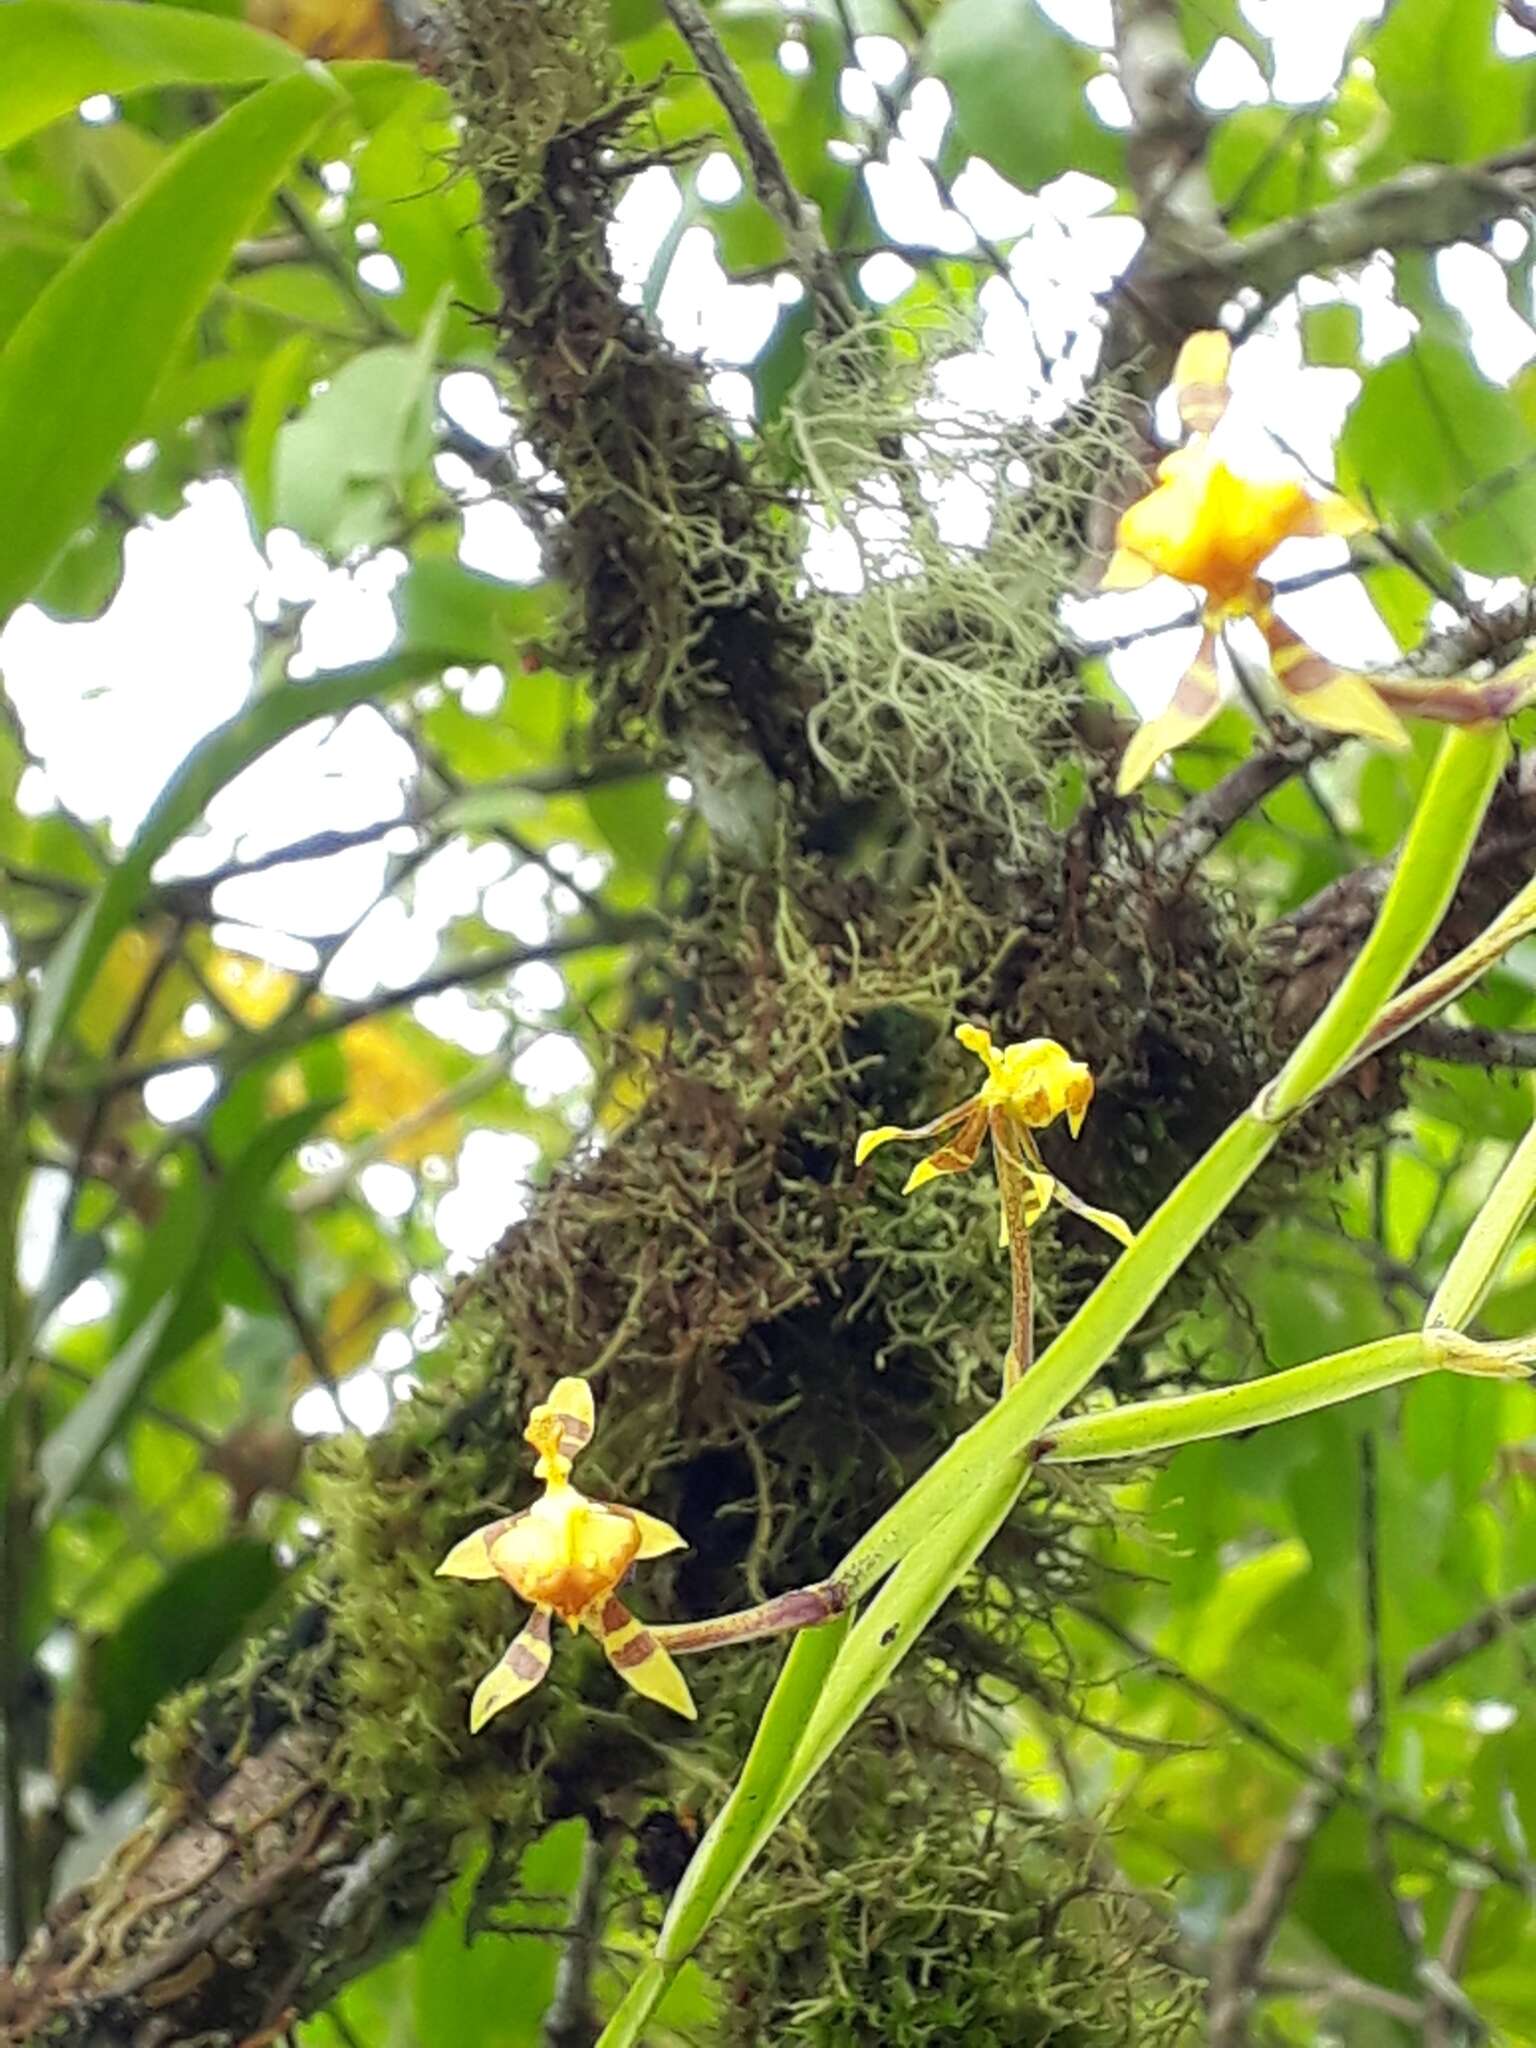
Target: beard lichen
943	677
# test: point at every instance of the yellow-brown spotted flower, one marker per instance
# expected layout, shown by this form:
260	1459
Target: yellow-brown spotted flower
1208	525
567	1556
1027	1087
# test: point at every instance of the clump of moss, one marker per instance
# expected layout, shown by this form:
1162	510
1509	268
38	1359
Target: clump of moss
915	1903
677	557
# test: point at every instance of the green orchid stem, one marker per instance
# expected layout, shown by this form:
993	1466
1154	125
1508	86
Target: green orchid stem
942	1523
1438	843
1144	1426
1488	1237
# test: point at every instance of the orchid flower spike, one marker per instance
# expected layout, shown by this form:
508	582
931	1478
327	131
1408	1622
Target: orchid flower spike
1027	1087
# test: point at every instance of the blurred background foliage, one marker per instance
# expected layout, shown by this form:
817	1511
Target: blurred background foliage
367	968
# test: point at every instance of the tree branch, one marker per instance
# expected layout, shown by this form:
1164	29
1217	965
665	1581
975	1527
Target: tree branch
808	249
1426	206
1473	1045
305	1029
1474	1634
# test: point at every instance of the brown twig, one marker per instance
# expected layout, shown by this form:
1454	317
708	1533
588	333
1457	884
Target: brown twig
1477	1633
1472	1045
808	250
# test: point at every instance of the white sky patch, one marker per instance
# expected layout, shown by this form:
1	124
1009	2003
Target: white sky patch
885	276
499	542
858	94
489	1194
42	1210
457	1018
1230	78
1091	21
91	1302
1106	96
519	905
470	400
700	309
717	180
177	1098
1311	40
649	206
536	990
883	57
113	705
388	1190
924	120
381	273
554	1065
351	619
280	948
363	1397
1502	343
907	203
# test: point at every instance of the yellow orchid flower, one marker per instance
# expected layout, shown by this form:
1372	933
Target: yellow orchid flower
567	1556
1027	1087
1207	525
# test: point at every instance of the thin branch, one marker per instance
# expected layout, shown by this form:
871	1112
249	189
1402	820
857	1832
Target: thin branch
337	269
304	1030
1339	1988
1320	1769
1472	1045
1478	1633
1426	206
1235	1968
570	2020
807	247
1208	819
318	846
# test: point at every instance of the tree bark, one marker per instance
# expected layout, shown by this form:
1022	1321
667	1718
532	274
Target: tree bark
776	1348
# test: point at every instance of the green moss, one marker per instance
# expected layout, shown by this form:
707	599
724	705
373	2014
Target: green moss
915	1904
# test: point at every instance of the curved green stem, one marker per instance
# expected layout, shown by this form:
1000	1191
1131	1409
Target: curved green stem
1143	1426
1488	1237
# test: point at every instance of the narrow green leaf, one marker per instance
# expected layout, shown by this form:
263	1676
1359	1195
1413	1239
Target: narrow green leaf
218	760
175	1634
77	375
56	53
283	381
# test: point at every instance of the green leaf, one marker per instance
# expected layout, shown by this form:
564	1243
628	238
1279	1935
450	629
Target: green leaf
1265	166
1430	438
281	383
104	329
1451	95
1330	335
1017	84
216	761
428	216
633	818
69	1454
443	605
343	464
171	1637
56	53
